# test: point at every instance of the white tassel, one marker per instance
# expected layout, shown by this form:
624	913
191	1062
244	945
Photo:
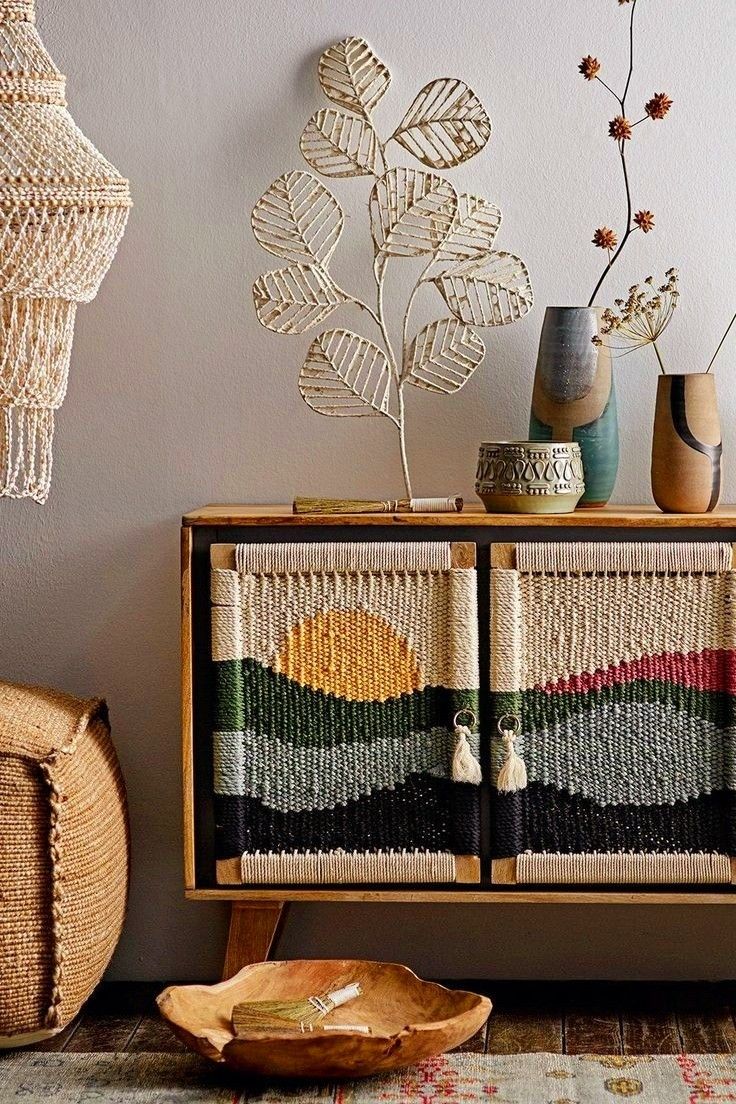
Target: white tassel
512	775
465	767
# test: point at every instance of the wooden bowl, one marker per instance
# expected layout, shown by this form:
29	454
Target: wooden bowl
410	1019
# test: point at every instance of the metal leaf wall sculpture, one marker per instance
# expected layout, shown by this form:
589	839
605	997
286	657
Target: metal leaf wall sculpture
413	213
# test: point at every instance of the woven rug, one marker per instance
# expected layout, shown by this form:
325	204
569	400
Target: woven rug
448	1079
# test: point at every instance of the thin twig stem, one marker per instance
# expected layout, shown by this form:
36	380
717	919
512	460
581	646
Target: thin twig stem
661	365
622	151
629	228
720	343
616	97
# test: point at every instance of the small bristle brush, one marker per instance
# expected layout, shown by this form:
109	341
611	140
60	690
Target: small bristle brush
302	1013
451	505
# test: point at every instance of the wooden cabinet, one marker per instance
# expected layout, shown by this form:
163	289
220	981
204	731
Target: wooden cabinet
496	840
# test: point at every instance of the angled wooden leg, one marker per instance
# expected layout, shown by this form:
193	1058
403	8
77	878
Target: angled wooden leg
253	930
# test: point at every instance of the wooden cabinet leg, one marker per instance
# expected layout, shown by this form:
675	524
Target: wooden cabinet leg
253	930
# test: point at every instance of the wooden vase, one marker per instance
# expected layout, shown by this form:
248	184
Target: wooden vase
686	446
574	396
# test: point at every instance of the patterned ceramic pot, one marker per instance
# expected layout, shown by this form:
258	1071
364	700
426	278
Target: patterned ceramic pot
686	447
574	396
529	477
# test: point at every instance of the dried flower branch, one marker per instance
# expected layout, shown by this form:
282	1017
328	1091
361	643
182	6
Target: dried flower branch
620	128
642	318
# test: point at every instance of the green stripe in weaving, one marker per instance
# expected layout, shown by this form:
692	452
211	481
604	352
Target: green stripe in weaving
539	708
251	697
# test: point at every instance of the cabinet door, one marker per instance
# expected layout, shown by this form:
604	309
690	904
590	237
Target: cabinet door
615	665
340	670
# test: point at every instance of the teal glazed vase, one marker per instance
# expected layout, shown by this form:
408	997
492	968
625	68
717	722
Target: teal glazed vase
574	397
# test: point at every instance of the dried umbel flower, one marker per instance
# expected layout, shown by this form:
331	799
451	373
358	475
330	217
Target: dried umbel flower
644	220
605	238
642	317
620	128
590	67
658	106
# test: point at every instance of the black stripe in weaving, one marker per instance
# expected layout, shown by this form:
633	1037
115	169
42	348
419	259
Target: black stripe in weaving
421	813
542	818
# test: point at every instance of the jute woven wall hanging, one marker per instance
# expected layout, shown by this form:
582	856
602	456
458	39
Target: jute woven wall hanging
614	683
346	704
413	214
63	210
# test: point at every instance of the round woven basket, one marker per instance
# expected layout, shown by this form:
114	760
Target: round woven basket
64	858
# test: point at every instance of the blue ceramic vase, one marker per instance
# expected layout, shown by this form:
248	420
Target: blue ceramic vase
574	396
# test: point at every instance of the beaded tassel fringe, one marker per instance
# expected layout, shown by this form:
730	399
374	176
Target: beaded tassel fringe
63	211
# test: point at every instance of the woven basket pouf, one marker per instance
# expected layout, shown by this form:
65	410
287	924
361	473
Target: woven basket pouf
64	858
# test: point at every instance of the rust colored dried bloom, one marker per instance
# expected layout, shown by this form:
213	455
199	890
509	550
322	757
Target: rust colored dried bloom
620	128
644	220
605	238
590	67
658	106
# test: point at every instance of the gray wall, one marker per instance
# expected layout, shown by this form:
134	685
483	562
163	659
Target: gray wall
177	397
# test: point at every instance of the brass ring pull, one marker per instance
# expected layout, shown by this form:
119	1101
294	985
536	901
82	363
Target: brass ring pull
465	713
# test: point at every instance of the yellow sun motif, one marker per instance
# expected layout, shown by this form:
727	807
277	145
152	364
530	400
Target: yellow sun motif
350	653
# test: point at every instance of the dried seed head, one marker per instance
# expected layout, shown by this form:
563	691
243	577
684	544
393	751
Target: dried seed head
620	128
605	238
590	67
658	106
644	220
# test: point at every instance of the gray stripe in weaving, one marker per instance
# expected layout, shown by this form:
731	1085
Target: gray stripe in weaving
290	778
629	753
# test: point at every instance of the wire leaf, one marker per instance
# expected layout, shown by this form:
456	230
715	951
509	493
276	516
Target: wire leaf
345	376
490	291
443	356
446	124
292	300
336	144
298	218
411	212
352	76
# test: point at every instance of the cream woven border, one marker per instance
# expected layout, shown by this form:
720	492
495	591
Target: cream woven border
621	868
335	867
593	556
372	556
506	631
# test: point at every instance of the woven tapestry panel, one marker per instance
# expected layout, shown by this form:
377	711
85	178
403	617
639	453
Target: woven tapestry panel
346	683
613	680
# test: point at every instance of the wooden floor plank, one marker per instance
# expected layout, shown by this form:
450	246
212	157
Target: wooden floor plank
592	1020
101	1034
705	1019
60	1041
648	1020
154	1036
515	1032
526	1019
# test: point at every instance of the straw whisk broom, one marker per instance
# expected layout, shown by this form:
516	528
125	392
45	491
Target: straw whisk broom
301	1014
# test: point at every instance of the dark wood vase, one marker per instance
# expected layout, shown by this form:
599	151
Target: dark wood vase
686	447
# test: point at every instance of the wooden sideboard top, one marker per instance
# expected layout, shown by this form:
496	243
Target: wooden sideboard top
624	517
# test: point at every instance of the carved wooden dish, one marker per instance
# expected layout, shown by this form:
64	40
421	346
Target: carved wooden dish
410	1019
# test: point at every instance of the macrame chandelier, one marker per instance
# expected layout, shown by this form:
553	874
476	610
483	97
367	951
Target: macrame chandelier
63	210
